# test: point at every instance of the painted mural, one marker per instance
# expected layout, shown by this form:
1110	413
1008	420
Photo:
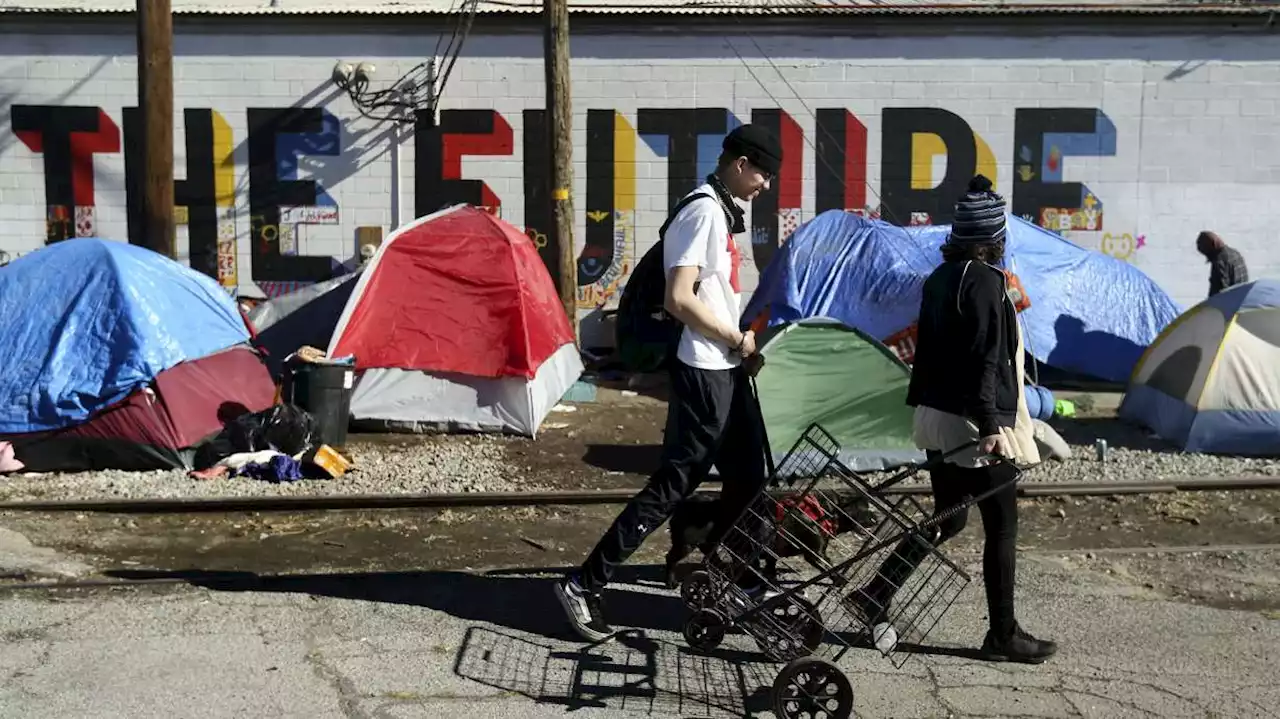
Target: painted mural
280	203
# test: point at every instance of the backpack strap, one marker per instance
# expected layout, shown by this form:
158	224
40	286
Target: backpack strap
662	231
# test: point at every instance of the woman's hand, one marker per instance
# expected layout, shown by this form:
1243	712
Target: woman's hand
995	444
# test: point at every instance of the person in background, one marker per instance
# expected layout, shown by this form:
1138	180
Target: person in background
248	297
967	388
712	416
1226	264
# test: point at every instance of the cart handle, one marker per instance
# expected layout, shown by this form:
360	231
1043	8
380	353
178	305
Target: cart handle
914	468
770	470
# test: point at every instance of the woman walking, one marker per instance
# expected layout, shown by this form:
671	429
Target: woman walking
967	387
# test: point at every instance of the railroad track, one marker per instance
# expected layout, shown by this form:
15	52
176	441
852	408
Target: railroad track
571	497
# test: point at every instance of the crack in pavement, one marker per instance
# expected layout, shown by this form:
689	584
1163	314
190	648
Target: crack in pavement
1131	684
348	696
1068	696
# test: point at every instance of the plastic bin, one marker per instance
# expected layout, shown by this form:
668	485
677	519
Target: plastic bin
324	390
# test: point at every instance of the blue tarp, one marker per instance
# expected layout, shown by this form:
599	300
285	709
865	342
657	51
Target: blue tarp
1090	313
87	321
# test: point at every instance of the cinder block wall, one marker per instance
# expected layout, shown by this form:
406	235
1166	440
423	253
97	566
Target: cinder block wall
1128	144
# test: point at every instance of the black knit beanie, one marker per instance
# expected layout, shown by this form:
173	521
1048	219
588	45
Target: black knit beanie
979	215
758	145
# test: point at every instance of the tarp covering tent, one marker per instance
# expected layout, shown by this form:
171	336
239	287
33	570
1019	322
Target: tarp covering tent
118	357
819	370
1211	381
1090	313
455	324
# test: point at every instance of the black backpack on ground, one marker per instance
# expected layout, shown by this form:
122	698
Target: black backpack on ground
646	334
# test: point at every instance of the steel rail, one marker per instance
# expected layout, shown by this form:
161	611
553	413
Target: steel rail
194	505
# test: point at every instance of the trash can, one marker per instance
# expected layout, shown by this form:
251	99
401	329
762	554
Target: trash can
323	390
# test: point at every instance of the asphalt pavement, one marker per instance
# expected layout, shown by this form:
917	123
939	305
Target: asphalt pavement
467	645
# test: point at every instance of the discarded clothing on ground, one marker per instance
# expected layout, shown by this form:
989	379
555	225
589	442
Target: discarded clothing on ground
280	468
284	428
8	462
269	465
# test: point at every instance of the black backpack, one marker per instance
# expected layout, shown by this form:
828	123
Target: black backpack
646	334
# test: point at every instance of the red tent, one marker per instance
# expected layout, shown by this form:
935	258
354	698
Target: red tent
456	321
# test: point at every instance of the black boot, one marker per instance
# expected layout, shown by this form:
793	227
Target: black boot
1017	646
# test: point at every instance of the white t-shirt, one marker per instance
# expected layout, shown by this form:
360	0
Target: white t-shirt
699	237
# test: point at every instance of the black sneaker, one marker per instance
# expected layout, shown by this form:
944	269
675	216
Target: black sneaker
585	610
1018	647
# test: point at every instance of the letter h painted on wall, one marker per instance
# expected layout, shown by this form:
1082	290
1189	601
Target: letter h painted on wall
204	201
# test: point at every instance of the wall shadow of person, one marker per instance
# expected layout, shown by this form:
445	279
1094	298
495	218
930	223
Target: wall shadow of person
229	412
1077	350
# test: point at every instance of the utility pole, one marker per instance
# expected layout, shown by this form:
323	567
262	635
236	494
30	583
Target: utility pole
560	131
155	105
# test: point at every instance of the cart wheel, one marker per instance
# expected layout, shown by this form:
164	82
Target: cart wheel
812	688
696	590
704	630
792	630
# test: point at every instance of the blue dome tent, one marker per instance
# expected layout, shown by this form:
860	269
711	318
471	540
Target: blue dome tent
87	321
119	358
1090	313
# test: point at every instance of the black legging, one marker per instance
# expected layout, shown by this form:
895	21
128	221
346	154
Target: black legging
952	486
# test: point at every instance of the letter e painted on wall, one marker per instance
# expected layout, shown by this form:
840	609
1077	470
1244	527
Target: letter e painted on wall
1042	139
272	185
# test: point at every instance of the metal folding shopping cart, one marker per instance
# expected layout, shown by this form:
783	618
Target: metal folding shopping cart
844	543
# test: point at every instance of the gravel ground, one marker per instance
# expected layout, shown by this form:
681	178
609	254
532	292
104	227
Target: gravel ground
432	464
473	463
1133	455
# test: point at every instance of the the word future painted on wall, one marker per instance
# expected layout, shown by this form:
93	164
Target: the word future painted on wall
688	138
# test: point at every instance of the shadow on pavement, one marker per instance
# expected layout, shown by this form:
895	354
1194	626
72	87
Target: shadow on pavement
636	458
631	672
522	603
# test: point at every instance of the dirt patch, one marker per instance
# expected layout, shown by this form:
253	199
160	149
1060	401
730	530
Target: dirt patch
611	443
1078	530
1150	520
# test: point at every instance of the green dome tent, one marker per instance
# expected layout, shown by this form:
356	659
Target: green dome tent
820	370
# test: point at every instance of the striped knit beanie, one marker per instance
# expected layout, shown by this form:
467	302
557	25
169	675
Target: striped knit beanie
979	215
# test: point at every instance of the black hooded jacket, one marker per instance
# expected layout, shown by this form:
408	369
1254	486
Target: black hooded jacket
965	346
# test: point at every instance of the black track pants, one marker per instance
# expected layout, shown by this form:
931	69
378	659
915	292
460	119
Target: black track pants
712	419
952	487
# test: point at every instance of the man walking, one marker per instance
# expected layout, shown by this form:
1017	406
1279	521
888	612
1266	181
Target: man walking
712	416
1226	265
